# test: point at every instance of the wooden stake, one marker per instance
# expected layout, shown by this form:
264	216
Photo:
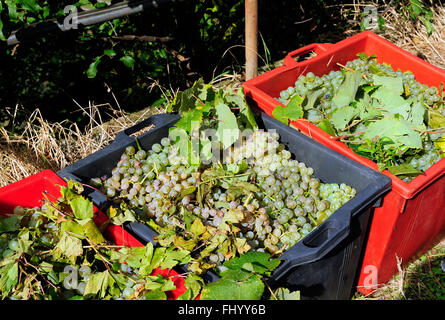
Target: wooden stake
251	34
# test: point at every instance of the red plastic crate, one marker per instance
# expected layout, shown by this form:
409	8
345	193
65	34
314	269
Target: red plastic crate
31	191
411	218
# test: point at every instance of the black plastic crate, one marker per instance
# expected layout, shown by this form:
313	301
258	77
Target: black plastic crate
322	265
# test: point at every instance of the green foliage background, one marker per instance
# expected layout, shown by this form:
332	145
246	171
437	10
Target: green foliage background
207	40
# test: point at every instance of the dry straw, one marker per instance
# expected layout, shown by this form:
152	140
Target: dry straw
44	145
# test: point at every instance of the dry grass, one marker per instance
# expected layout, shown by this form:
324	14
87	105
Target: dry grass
44	145
412	35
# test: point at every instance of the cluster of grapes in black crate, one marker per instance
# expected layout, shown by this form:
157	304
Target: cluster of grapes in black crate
288	201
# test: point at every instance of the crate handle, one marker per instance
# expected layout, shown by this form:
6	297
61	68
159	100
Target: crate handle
314	246
157	120
318	48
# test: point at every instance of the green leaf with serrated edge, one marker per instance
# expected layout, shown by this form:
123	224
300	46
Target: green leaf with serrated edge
98	284
260	261
72	227
93	233
397	130
155	295
197	228
82	208
285	294
206	149
365	57
392	102
213	243
172	258
326	126
188	190
123	216
404	169
10	223
230	287
394	84
181	141
227	130
440	145
192	97
69	246
436	120
8	278
190	120
292	111
184	244
24	241
366	110
245	112
417	115
348	89
75	186
342	116
193	283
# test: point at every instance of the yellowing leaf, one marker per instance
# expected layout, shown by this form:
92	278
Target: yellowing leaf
197	227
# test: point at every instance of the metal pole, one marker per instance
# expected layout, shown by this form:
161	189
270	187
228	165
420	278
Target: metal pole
84	18
251	34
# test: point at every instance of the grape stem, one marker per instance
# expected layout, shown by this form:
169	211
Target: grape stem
137	143
348	135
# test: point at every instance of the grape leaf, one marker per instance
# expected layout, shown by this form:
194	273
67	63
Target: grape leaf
435	119
239	100
394	84
404	169
82	208
93	233
69	246
206	149
234	285
440	144
184	244
261	262
396	129
227	130
10	223
190	120
99	283
155	295
193	283
392	102
342	116
123	216
8	277
292	111
171	258
181	141
348	89
197	228
192	97
327	127
367	111
416	116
